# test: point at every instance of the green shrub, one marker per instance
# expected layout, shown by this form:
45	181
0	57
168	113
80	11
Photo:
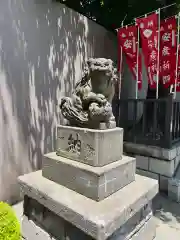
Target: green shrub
9	224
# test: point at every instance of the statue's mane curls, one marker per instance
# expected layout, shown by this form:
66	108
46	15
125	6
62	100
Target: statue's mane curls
103	65
98	64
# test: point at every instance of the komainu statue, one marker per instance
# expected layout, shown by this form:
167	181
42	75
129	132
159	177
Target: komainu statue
90	104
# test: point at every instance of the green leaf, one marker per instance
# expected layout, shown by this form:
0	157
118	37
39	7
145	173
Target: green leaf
102	2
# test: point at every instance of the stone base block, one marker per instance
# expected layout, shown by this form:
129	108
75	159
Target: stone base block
35	232
145	230
98	220
40	221
147	174
163	181
163	184
32	231
89	146
174	186
157	166
152	151
96	183
174	189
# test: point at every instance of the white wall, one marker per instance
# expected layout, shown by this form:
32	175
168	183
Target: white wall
129	83
43	46
128	91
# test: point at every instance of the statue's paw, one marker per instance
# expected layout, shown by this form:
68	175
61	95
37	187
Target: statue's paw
107	125
112	119
63	101
101	96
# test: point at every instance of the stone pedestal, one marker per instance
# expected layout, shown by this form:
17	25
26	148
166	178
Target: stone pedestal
72	198
96	183
90	146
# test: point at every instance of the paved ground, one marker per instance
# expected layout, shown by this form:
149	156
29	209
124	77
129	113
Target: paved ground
167	217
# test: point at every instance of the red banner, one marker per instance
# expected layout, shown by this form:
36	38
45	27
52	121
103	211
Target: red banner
149	37
127	39
168	48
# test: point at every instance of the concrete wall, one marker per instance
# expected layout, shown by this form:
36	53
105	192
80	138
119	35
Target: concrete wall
129	83
43	46
128	91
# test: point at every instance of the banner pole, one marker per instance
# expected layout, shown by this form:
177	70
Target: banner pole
120	64
158	59
120	71
137	63
177	57
120	76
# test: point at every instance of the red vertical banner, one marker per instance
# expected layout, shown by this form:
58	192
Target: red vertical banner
149	39
127	39
168	48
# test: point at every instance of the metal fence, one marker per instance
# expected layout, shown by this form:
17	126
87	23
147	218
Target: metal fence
149	121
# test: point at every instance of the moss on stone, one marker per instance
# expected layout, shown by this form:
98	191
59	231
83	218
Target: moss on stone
9	224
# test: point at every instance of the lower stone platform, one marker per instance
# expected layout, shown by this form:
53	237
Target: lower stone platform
38	221
111	219
145	230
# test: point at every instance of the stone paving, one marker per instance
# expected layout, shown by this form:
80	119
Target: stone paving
167	217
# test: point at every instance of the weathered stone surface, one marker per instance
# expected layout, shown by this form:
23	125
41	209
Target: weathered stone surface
174	189
147	174
109	125
142	162
178	149
93	147
145	230
96	183
60	229
174	186
163	183
43	217
163	180
152	161
31	231
97	219
132	226
162	167
176	162
156	165
152	151
91	99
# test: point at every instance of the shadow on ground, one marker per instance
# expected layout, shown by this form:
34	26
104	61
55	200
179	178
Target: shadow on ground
166	210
